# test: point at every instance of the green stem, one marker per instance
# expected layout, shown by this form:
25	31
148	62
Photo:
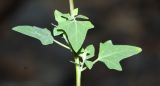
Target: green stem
59	43
77	61
96	61
78	72
71	4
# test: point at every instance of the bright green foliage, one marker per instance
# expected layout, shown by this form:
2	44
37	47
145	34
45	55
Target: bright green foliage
76	30
73	28
44	35
111	54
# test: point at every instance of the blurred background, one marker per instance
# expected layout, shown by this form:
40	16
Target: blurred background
25	62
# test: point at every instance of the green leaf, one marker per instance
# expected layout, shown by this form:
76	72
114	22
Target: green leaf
75	12
89	64
90	50
76	32
44	35
111	55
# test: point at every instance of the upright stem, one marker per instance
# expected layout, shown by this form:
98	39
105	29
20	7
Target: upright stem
77	61
78	72
71	3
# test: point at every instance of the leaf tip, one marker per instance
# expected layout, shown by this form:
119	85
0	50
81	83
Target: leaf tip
75	12
109	42
45	43
139	49
14	28
120	69
89	64
55	11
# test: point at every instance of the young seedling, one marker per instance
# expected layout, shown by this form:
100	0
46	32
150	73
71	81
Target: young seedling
73	28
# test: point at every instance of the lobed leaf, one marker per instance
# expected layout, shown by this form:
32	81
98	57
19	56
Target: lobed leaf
44	35
111	55
76	30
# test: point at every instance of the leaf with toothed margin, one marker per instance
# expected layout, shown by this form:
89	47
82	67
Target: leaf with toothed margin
111	55
44	35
